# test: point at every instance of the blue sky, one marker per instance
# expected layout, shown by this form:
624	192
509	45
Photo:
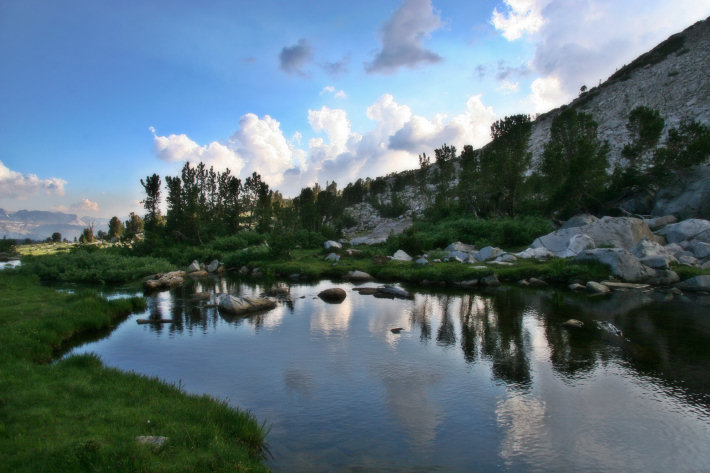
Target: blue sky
97	95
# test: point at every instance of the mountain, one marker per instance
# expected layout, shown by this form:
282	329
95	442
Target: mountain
40	225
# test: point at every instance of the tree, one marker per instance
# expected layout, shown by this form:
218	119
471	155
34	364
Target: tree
504	163
151	185
56	237
444	158
115	228
645	126
87	235
134	226
686	146
573	164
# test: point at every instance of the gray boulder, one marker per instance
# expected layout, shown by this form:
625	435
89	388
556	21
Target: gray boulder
618	232
422	261
164	280
213	266
358	276
487	253
691	229
334	294
506	258
458	246
460	256
700	249
394	291
332	257
242	305
622	263
535	253
594	287
194	266
573	323
332	245
579	221
490	280
696	283
401	255
655	223
664	277
688	195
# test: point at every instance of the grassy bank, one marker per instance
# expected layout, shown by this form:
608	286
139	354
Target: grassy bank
77	415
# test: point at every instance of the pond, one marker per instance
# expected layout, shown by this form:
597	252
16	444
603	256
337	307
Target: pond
475	381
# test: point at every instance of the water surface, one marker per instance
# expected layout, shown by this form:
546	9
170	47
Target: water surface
476	381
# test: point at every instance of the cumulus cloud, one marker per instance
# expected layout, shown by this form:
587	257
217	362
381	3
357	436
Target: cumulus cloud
402	37
293	58
523	16
581	42
21	186
85	205
338	94
180	148
508	87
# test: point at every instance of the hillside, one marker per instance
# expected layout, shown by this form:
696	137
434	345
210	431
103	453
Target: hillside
39	225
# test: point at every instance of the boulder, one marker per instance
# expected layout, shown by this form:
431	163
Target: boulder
535	253
700	249
194	266
242	305
656	261
594	287
579	221
622	263
696	283
353	252
422	261
332	245
394	291
469	283
688	260
458	246
164	280
687	195
576	287
486	253
618	232
213	266
573	323
401	255
648	247
691	229
490	280
333	295
358	276
332	257
459	256
664	278
655	223
535	282
506	258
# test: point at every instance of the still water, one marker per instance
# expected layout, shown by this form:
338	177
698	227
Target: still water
476	381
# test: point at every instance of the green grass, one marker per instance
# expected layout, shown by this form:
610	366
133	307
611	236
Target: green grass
92	265
36	249
77	415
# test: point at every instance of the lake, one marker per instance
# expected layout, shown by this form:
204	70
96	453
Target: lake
475	381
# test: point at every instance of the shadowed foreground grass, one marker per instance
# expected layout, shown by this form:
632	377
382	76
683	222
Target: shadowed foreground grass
77	415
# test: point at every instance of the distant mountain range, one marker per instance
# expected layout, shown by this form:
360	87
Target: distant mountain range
40	225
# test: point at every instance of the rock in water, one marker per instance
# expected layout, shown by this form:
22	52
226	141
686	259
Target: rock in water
573	323
394	292
213	266
243	305
333	295
597	288
696	283
194	266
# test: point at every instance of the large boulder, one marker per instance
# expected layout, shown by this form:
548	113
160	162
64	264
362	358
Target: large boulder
688	194
691	229
621	262
213	266
332	245
332	257
456	255
401	255
579	221
696	283
358	276
487	253
458	246
194	266
164	280
242	305
333	294
617	232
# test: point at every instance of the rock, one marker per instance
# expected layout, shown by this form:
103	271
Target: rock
458	256
573	323
594	287
621	263
358	276
535	253
353	252
664	278
458	246
576	287
579	221
700	250
609	327
333	295
506	258
705	265
490	280
382	231
535	282
198	274
396	330
332	245
394	291
243	271
242	305
487	253
152	440
656	261
688	194
422	261
524	282
366	291
201	296
655	223
401	255
164	280
213	266
468	283
691	229
618	232
194	266
332	257
695	284
624	285
688	260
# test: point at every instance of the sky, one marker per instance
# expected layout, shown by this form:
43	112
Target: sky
97	95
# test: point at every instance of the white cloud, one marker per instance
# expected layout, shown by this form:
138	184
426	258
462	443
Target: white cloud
180	148
85	205
508	87
21	186
402	37
523	16
338	94
580	42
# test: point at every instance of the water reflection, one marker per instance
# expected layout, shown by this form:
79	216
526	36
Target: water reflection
488	379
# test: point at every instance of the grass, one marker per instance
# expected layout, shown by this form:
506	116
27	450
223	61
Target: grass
77	415
38	249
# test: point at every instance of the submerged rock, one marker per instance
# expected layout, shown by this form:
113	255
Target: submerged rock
242	305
